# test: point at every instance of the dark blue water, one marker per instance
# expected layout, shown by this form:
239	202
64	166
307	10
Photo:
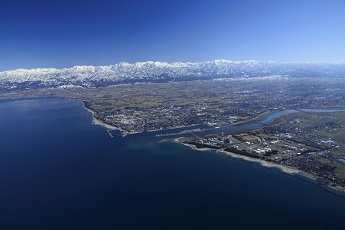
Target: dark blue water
57	171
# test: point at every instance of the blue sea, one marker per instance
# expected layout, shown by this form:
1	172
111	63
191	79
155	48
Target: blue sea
59	171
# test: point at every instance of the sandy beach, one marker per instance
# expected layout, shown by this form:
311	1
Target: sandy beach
262	162
98	122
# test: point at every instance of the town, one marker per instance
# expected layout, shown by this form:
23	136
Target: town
216	103
311	142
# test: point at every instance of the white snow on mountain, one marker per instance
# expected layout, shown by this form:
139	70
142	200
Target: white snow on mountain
123	73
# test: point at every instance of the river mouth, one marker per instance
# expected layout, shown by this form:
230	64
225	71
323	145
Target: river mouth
202	130
62	169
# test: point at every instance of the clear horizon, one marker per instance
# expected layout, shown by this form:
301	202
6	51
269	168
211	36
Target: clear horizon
63	34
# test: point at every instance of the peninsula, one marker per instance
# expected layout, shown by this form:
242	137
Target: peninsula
306	143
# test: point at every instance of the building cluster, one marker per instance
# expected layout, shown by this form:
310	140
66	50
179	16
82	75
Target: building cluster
153	107
301	141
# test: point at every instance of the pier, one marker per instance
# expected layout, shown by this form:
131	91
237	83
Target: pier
109	133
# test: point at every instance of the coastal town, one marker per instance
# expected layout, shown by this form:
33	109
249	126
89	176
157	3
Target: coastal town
308	143
218	103
313	143
137	108
172	115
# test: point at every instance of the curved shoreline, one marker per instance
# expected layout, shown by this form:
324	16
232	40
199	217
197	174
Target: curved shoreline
95	121
264	163
285	169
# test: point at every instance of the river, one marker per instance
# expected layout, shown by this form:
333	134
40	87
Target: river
58	171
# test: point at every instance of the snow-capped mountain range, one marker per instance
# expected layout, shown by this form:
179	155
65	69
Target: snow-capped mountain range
126	73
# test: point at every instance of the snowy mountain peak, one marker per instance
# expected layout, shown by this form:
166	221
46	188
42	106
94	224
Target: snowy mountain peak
150	71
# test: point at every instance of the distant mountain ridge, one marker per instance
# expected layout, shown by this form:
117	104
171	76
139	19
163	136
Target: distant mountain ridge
156	72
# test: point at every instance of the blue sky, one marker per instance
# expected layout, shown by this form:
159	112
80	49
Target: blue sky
86	32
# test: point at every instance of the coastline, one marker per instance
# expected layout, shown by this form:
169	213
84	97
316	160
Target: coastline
98	122
108	127
283	168
266	164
